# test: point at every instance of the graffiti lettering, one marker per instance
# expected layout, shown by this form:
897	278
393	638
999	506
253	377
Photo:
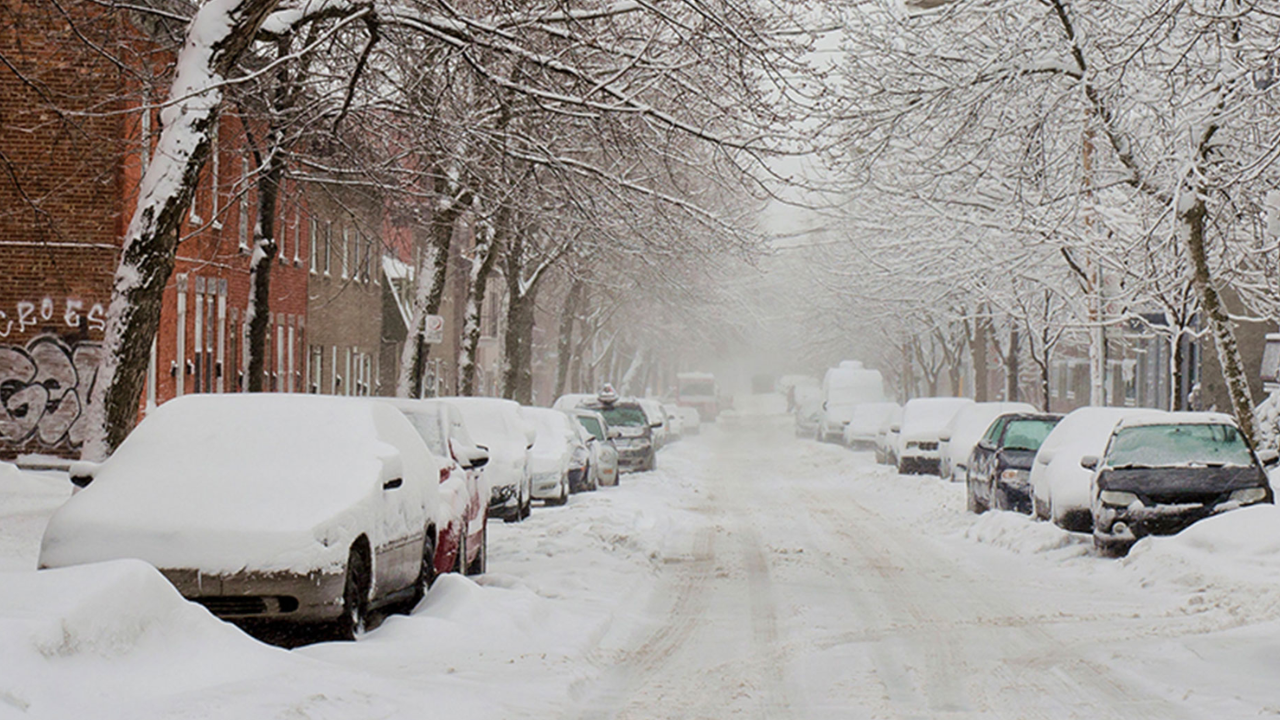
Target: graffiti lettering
44	390
26	315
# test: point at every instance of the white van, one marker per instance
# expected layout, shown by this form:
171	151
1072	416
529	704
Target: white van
844	388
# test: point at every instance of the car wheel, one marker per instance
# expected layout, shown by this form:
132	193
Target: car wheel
481	564
1038	509
526	509
564	494
355	594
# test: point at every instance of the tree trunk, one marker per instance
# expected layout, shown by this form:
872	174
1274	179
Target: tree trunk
430	279
564	348
1224	339
1177	398
264	253
978	353
150	243
1011	369
481	265
518	365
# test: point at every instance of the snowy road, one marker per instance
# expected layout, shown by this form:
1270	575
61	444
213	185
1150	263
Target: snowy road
753	575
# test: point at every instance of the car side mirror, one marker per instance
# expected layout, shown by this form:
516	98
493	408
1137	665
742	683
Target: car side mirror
1269	457
82	473
944	437
392	473
895	428
655	425
986	445
614	433
1089	462
476	459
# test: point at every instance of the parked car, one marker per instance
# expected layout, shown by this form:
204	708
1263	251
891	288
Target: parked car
1059	486
464	491
1163	472
499	427
923	420
675	423
998	472
887	438
690	420
599	439
558	459
636	450
965	430
296	509
844	388
657	421
860	433
808	410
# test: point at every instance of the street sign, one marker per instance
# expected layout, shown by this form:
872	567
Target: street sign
434	330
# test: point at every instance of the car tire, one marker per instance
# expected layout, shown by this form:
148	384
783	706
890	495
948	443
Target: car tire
564	493
355	594
426	576
1039	509
480	565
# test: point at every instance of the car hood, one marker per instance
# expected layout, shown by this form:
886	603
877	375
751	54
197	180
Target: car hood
1172	482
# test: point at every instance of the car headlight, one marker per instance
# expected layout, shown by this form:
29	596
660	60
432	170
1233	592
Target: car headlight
1247	496
1015	476
1117	498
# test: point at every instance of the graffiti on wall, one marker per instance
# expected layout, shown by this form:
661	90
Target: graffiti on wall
72	312
45	387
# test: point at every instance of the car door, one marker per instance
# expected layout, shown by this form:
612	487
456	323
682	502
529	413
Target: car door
409	497
982	458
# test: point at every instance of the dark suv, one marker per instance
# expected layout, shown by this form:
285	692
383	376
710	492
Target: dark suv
636	451
999	469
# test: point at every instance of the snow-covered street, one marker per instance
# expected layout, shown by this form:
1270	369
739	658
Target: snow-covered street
752	575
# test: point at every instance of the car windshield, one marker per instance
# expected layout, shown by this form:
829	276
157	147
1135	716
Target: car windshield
592	426
1178	444
625	415
428	426
1027	434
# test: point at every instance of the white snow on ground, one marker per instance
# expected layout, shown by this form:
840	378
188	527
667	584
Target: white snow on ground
751	575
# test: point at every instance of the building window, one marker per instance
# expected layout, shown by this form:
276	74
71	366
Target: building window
314	253
328	246
297	232
314	369
346	267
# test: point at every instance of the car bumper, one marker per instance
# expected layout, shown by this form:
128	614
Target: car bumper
1017	497
630	459
1118	528
546	486
252	595
919	464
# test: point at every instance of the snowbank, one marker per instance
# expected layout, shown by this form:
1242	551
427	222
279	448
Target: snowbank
1021	534
27	499
79	641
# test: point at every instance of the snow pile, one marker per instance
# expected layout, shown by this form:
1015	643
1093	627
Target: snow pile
26	501
1022	534
1230	562
113	633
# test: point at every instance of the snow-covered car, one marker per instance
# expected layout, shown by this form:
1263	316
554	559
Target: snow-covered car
570	401
887	438
1059	486
657	421
558	458
690	420
923	422
998	474
1165	471
965	430
636	450
807	410
265	507
860	433
599	439
675	423
500	428
843	389
464	492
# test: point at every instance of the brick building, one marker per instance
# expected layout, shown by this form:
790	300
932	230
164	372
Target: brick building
74	142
